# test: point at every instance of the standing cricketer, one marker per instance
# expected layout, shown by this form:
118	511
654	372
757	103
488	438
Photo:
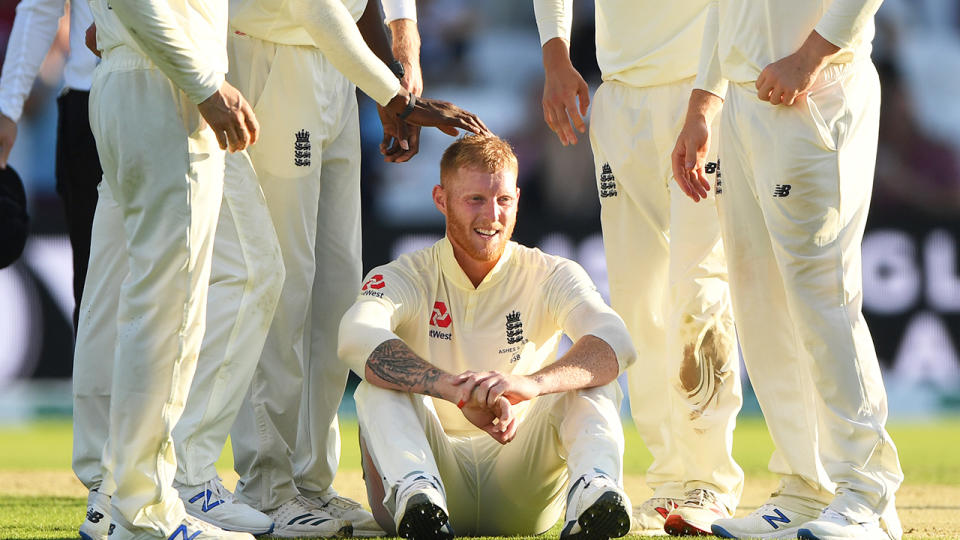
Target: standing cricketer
799	125
492	311
665	258
162	116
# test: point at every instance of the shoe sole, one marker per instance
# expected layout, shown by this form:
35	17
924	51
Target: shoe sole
605	518
721	532
423	520
677	526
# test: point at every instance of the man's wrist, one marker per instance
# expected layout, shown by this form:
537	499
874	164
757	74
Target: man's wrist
703	105
816	52
556	54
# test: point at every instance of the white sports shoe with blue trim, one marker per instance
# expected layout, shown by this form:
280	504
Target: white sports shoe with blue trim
215	504
597	509
832	525
769	521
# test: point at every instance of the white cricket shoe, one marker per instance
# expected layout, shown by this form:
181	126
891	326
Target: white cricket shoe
597	509
349	510
693	517
96	524
300	517
215	504
190	528
422	509
832	525
771	520
649	517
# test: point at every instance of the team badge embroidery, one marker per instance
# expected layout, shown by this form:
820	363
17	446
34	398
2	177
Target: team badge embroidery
608	184
301	149
514	328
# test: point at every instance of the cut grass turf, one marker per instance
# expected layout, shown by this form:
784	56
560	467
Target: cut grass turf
36	456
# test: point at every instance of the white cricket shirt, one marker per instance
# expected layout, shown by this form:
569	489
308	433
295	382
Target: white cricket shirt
745	36
639	42
34	30
186	40
512	322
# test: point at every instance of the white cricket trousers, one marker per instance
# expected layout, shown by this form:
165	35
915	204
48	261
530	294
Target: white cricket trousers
164	169
285	439
668	280
494	489
245	281
793	199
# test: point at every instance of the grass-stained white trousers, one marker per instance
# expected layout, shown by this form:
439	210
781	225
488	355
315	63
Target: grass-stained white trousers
668	280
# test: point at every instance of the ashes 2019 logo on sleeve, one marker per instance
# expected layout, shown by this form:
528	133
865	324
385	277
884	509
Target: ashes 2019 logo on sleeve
372	286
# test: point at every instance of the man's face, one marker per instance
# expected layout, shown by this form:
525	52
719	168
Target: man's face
481	210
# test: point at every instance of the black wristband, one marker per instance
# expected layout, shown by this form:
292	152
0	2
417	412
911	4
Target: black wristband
397	68
411	104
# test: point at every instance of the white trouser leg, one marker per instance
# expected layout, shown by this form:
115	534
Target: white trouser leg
97	338
516	489
165	170
403	434
302	104
337	278
245	281
826	155
768	338
685	395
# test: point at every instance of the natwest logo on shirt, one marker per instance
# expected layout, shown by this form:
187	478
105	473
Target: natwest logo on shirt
371	285
440	317
375	282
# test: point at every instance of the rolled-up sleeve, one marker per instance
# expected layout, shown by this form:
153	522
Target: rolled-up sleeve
384	303
580	310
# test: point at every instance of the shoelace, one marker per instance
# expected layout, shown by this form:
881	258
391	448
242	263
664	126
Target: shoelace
341	503
217	490
700	497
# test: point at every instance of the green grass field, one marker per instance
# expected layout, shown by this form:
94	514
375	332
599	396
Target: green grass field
40	498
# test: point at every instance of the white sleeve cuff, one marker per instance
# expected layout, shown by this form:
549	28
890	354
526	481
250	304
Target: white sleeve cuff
399	9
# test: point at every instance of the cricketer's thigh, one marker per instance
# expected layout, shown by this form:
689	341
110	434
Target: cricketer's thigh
668	280
165	168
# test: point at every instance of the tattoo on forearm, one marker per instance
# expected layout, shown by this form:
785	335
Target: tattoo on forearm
396	364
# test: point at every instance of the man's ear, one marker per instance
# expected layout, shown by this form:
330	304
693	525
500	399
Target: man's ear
440	199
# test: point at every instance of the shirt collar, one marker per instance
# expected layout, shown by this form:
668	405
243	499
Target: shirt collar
453	272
